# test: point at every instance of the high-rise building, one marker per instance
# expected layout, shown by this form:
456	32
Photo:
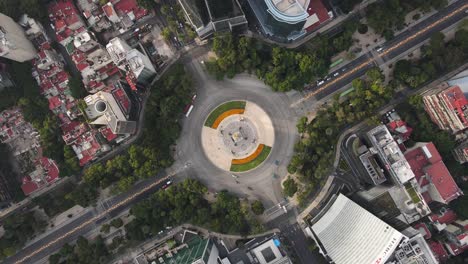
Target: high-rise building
346	233
14	44
138	67
448	108
390	154
212	16
103	109
288	20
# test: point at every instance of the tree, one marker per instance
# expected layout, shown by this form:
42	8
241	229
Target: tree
117	223
257	207
76	88
146	4
166	34
105	228
289	187
302	124
363	28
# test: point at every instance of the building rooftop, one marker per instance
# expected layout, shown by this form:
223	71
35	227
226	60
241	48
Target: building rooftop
269	253
390	154
431	173
291	11
350	234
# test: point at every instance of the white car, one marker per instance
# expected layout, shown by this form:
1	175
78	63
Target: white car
336	74
320	82
379	49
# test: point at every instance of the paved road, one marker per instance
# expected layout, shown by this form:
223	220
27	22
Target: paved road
214	93
391	49
260	182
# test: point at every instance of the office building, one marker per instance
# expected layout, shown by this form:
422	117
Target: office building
103	109
288	20
390	154
269	252
14	44
207	17
346	233
447	107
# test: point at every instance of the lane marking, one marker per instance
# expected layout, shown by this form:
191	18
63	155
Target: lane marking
371	60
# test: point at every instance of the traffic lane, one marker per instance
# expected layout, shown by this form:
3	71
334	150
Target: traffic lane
424	23
300	243
343	82
423	36
48	239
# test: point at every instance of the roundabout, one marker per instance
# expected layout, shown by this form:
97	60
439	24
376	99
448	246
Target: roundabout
237	136
249	157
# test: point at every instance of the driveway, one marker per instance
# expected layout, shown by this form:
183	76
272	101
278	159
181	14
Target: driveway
261	183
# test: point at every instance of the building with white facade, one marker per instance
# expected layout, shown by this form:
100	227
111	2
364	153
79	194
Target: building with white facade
103	109
269	252
348	234
289	19
14	44
138	67
390	154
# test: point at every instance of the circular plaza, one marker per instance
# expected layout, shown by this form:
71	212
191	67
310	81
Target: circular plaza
237	136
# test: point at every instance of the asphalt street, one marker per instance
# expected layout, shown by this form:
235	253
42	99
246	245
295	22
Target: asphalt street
399	45
211	93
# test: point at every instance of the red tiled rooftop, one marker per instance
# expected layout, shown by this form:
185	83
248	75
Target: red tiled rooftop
423	230
439	251
456	100
317	7
59	25
107	133
54	102
435	170
82	65
108	10
28	186
121	97
447	218
51	167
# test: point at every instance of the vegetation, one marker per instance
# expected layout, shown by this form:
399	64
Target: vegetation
177	26
460	205
437	57
54	202
262	156
19	228
257	207
8	172
34	8
185	203
165	104
389	15
347	5
76	88
223	108
83	252
280	68
146	4
289	187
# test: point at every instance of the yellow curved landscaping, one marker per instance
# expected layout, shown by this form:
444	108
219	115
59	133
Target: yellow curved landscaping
249	158
222	116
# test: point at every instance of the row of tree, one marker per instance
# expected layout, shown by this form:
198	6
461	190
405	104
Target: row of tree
437	57
185	203
389	15
314	153
280	68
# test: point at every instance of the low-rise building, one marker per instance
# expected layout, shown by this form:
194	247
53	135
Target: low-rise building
123	13
461	152
94	15
269	252
435	181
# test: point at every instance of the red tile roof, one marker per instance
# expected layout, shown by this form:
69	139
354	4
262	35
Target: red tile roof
423	230
317	7
107	133
438	249
51	167
447	217
456	100
28	186
54	102
432	170
127	6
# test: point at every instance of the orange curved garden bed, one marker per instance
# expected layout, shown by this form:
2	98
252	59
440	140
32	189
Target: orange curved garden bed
222	116
250	157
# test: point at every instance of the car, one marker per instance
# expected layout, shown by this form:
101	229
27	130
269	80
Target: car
344	69
167	184
320	82
327	78
194	97
336	74
379	49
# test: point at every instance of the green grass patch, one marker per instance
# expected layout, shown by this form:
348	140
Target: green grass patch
414	196
254	163
221	109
